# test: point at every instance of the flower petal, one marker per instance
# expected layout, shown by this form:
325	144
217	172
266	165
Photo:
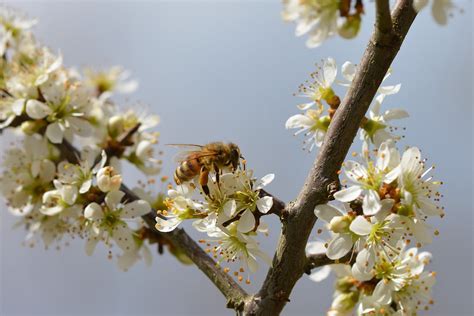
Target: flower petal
326	212
55	133
349	194
93	211
371	203
136	209
264	204
37	110
318	275
339	246
123	236
112	199
246	222
361	226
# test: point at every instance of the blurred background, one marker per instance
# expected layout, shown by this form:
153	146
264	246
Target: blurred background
226	70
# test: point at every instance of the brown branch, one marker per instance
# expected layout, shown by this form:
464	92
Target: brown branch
383	19
289	261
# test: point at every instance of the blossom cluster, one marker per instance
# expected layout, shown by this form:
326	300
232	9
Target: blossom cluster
323	19
59	192
317	114
230	215
382	208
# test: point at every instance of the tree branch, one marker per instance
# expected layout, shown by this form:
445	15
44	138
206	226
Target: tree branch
383	19
320	259
289	261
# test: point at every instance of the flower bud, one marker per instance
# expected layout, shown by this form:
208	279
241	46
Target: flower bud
116	125
31	127
339	224
350	28
108	179
345	302
344	284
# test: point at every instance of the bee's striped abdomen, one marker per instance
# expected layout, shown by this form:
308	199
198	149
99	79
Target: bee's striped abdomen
187	170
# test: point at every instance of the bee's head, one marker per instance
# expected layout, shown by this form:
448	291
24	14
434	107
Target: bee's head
234	155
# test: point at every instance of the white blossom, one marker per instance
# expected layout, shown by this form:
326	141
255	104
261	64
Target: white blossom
109	221
318	18
349	71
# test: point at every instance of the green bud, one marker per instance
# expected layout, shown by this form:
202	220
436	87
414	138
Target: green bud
325	120
346	301
339	224
31	127
350	28
344	285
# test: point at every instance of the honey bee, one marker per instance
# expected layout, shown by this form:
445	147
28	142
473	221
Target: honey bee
204	159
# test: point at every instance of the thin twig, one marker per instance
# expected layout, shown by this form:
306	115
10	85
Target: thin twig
320	260
289	262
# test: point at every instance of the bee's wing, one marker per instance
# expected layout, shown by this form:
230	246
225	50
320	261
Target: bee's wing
189	146
192	149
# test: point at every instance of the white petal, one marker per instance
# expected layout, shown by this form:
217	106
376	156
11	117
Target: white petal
375	109
355	171
123	236
305	106
136	209
91	243
428	208
395	114
264	181
37	110
18	106
389	90
349	70
392	175
349	194
371	203
69	194
246	222
419	4
93	211
339	246
326	212
330	71
318	275
127	260
422	232
264	204
297	121
383	292
112	199
315	248
167	225
229	208
80	126
361	226
361	274
55	133
439	10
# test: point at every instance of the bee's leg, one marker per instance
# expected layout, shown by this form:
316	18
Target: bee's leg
216	169
203	178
